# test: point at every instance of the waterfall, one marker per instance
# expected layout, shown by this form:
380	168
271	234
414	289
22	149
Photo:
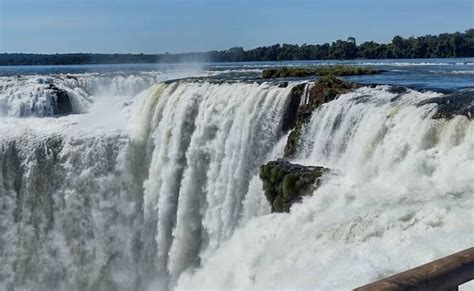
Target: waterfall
160	191
36	95
207	140
92	208
399	194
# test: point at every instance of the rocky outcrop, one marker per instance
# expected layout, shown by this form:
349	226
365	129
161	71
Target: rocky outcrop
285	183
325	90
397	89
61	101
458	103
291	114
334	70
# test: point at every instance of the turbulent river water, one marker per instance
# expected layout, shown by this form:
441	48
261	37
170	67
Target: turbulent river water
152	182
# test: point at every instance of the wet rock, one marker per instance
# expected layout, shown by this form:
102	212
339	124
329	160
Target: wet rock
458	103
71	77
397	89
291	114
283	85
325	89
62	102
285	183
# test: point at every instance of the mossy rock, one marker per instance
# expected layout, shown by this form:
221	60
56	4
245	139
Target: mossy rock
285	183
278	205
324	90
288	186
285	72
291	114
335	70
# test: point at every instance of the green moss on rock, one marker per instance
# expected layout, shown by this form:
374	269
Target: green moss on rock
285	72
291	114
285	183
324	90
335	70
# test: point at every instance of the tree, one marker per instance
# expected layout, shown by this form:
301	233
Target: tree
429	46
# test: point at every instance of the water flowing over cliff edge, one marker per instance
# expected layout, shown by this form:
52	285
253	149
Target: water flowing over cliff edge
161	190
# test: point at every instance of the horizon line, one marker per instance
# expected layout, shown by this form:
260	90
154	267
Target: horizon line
220	50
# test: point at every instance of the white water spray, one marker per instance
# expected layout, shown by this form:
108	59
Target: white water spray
400	194
173	200
179	178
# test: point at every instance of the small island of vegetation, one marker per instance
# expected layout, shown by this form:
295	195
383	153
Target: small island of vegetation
298	72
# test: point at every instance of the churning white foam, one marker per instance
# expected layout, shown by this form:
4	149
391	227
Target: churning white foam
162	190
33	95
178	171
400	194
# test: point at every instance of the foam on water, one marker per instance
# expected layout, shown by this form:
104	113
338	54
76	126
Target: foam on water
176	160
207	140
160	190
400	194
23	96
33	96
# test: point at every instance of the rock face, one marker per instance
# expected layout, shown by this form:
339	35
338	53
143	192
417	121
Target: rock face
291	114
285	183
62	102
458	103
324	90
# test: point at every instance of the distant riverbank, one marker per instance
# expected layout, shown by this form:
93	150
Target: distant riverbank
445	45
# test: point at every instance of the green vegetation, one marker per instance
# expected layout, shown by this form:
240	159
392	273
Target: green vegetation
285	183
324	90
285	72
339	70
444	45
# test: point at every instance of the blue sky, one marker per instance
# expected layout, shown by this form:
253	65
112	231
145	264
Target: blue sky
156	26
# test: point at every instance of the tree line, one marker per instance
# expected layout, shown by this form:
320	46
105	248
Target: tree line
445	45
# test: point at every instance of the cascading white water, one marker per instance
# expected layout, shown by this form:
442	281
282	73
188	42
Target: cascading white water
207	140
22	96
33	96
400	193
174	199
102	208
69	215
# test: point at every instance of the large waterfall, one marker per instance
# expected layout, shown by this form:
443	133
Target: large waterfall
33	95
160	191
107	208
399	195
